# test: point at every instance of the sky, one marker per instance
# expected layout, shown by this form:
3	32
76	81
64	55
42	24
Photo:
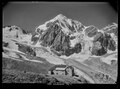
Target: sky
29	15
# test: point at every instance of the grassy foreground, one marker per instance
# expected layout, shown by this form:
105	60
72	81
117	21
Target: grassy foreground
30	72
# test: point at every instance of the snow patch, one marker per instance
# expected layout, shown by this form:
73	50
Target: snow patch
5	55
12	50
25	58
26	39
49	57
109	58
73	42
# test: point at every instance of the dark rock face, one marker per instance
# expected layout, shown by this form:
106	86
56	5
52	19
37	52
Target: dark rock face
112	45
64	47
98	35
99	52
58	41
49	36
24	31
106	43
34	39
39	31
5	44
26	49
89	29
71	28
104	39
93	32
80	29
77	48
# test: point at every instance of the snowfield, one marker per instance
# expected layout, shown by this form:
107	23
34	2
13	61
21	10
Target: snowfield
49	57
109	58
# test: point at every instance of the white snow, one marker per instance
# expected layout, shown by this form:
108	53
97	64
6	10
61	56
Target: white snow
114	37
65	30
12	54
42	27
85	52
69	21
37	44
13	50
30	60
61	19
78	57
5	55
13	33
12	45
49	57
109	58
9	36
73	42
10	57
36	61
78	39
37	35
26	39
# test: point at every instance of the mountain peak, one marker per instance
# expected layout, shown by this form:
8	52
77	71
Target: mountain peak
67	25
60	16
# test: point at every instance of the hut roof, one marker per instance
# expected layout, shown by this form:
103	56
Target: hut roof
57	66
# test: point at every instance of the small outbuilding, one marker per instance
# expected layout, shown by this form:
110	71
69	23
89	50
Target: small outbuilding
61	70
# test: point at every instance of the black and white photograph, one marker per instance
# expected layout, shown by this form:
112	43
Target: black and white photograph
60	43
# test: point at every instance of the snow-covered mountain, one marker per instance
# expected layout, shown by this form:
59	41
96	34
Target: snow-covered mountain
63	37
67	25
65	41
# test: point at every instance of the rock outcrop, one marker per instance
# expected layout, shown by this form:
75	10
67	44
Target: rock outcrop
57	39
104	42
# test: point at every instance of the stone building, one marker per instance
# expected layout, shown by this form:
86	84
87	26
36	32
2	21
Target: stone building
61	70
